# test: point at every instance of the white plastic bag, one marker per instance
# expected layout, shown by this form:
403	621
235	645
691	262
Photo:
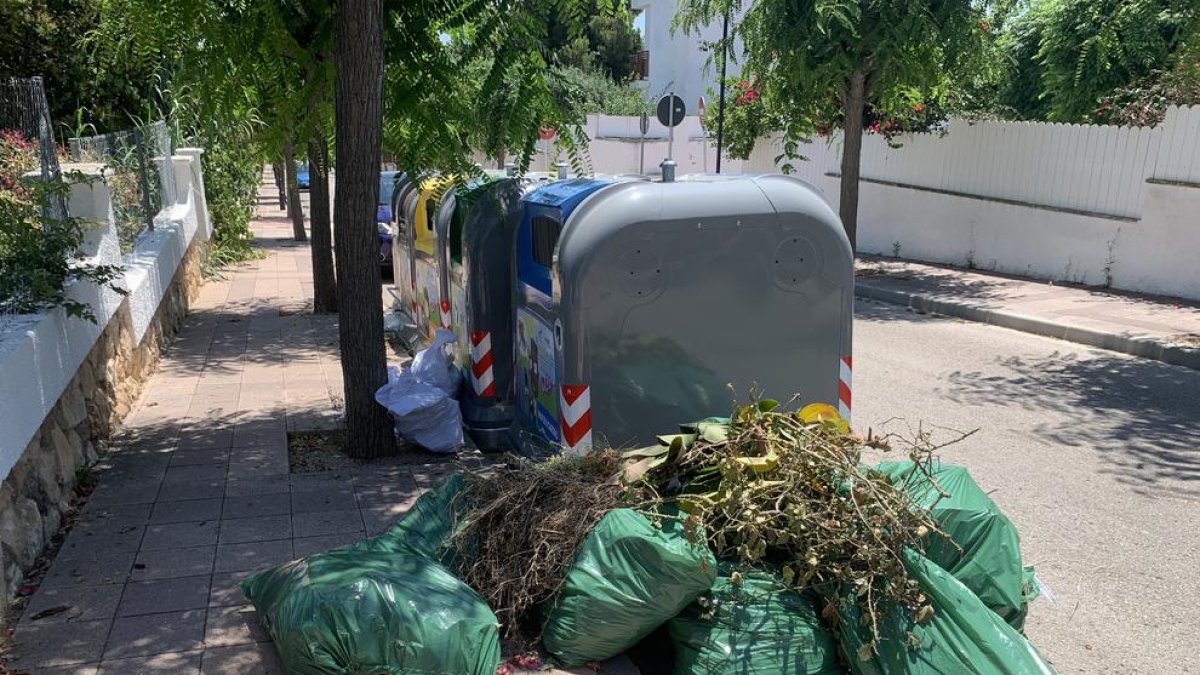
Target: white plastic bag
421	398
433	365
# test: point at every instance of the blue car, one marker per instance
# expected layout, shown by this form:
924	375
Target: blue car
302	175
383	216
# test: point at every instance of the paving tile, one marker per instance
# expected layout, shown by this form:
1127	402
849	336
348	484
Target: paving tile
149	634
76	669
216	437
387	495
430	475
174	663
258	466
376	519
263	528
184	511
168	564
199	456
123	514
225	591
380	473
326	522
236	625
77	603
91	571
253	556
312	501
255	659
195	472
195	489
251	506
116	492
164	595
180	535
57	644
240	486
306	546
134	465
93	539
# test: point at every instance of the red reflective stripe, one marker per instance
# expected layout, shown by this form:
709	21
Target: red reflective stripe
573	433
844	393
572	392
484	365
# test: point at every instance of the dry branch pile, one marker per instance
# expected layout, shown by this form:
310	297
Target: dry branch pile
518	530
783	490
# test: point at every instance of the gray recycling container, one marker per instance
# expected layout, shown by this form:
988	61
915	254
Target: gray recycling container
477	227
641	305
403	270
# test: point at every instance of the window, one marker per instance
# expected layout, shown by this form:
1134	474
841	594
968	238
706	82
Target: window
639	64
545	238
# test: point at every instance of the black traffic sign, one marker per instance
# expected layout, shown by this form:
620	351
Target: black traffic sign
671	110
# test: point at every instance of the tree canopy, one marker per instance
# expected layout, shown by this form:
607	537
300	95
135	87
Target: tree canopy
1064	57
826	63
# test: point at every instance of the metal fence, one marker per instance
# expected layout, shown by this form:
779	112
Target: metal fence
25	121
139	174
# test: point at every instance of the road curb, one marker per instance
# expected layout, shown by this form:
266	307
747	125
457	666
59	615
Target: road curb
1142	347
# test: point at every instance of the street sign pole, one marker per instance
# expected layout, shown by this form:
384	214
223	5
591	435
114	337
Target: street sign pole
644	126
671	112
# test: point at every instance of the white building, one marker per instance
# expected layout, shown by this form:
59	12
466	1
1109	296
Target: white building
679	62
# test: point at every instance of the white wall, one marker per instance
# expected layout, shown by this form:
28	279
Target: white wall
616	142
677	61
1090	204
40	354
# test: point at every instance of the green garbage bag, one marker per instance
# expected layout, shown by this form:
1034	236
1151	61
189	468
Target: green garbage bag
990	560
760	627
964	637
426	527
627	579
352	611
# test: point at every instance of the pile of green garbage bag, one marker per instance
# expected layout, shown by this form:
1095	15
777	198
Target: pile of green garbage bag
963	637
628	578
753	624
355	610
983	551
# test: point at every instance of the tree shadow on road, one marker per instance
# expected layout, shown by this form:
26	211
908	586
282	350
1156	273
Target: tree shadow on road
1139	415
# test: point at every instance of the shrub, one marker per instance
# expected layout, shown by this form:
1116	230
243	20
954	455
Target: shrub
39	251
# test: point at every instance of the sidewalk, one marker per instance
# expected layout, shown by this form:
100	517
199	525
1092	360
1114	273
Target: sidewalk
197	492
1158	328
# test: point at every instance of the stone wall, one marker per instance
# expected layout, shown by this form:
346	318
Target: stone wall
39	489
101	381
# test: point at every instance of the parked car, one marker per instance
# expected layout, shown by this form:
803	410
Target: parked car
302	175
383	215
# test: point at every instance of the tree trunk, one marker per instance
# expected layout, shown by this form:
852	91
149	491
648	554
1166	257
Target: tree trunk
358	108
280	183
324	282
295	211
853	105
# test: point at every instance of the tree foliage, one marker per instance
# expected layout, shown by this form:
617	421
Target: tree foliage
1065	58
825	63
47	38
591	35
40	251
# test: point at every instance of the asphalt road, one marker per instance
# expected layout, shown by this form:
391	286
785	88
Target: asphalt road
1094	456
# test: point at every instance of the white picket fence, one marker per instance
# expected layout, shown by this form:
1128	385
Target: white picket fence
1087	168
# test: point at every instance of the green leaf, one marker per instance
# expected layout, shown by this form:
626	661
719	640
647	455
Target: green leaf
767	405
